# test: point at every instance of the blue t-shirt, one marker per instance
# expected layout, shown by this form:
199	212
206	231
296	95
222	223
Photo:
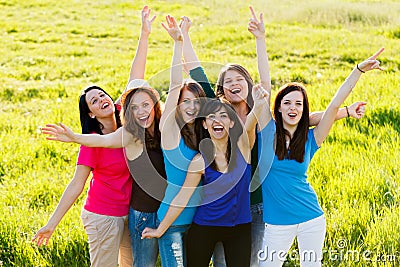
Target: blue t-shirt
177	162
288	197
225	196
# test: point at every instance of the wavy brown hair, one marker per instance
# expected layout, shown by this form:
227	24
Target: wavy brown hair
242	71
297	143
191	139
131	125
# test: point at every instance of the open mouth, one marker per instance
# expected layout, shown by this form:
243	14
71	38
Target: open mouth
292	115
218	129
105	105
144	119
235	91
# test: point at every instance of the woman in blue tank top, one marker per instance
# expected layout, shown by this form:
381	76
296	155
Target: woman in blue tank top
287	145
223	214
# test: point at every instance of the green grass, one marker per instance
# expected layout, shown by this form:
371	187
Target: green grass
51	50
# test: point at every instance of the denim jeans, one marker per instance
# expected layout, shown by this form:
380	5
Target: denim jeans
257	234
279	238
171	245
144	251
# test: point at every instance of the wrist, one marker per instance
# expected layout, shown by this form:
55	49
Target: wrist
360	69
347	111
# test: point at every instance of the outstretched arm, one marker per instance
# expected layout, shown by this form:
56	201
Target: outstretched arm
71	193
196	169
257	28
64	134
138	66
355	110
168	126
322	129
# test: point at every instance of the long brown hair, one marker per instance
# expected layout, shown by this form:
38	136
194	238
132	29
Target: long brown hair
242	71
190	139
297	143
131	125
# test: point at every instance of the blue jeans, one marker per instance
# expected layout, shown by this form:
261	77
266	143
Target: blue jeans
171	245
144	251
257	234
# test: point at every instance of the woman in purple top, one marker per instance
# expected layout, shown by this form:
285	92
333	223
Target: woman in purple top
224	213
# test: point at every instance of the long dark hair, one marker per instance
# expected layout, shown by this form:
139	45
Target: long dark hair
297	143
88	124
207	149
131	125
242	71
190	139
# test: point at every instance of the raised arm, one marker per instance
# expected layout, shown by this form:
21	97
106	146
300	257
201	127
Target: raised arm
193	177
355	110
168	126
138	66
260	113
71	193
322	129
257	28
191	62
139	62
64	134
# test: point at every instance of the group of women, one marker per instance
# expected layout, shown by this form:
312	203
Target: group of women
194	164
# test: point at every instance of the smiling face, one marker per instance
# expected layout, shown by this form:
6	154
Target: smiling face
218	124
291	108
235	86
142	107
100	104
189	106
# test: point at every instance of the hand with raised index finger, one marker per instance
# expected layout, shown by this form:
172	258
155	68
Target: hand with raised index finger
172	28
371	63
146	22
256	27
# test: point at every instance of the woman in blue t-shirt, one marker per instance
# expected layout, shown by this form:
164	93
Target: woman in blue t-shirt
286	147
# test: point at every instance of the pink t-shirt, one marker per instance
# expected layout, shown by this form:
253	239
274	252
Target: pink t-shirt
110	188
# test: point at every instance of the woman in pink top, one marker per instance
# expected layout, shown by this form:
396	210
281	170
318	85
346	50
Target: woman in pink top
106	209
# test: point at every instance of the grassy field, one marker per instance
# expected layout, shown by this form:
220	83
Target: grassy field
50	50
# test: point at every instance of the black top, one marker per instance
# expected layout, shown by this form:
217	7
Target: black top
149	180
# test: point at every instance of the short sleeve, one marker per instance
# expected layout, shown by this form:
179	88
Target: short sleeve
87	157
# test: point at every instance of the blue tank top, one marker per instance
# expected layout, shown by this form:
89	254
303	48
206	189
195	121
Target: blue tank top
288	197
176	165
225	197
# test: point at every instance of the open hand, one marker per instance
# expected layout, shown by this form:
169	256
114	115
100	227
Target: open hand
146	22
172	28
58	133
43	235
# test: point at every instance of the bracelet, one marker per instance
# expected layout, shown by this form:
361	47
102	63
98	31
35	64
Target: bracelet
360	69
347	110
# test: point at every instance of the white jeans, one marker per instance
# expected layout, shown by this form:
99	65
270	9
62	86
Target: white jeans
279	238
